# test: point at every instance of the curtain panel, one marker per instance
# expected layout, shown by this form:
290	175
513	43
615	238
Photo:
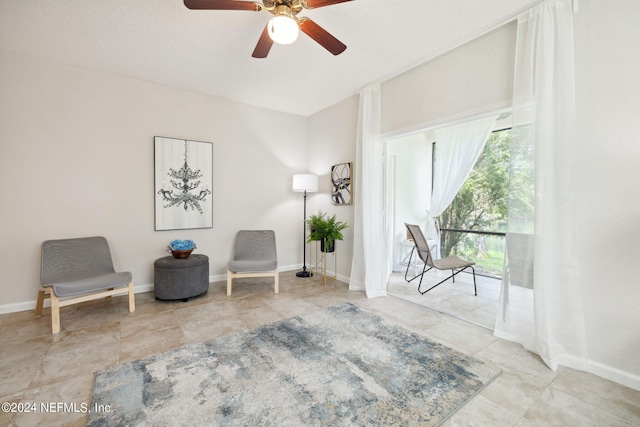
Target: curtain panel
457	151
547	319
371	265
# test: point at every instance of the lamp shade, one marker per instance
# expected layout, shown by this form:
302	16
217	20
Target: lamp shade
305	182
283	29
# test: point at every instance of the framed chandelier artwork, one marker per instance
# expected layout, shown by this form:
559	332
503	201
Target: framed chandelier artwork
183	184
341	188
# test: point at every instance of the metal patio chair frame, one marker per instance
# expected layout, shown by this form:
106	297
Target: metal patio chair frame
421	249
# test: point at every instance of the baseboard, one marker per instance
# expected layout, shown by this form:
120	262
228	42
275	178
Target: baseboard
31	305
143	288
343	279
616	375
356	285
138	289
18	306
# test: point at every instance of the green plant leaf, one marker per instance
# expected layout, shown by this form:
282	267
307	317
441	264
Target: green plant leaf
323	227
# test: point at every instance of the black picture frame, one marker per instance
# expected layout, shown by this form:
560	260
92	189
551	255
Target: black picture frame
341	184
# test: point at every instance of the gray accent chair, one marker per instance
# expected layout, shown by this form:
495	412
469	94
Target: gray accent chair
77	270
254	256
421	249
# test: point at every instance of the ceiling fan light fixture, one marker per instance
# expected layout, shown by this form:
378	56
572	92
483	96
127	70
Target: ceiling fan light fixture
283	29
285	26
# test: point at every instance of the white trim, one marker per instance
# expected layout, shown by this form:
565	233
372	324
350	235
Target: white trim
148	287
138	289
596	368
355	285
452	120
614	374
223	277
343	279
31	305
600	369
20	306
283	269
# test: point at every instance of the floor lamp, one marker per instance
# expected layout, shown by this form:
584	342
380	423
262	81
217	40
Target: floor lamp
306	183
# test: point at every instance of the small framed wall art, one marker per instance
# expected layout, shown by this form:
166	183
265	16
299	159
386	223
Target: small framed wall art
341	188
183	184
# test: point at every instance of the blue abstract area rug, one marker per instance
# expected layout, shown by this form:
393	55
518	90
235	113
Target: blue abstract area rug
340	366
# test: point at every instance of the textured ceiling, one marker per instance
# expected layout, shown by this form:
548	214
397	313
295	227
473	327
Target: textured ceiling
209	52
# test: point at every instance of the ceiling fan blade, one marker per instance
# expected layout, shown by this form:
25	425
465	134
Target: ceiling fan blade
222	5
313	4
264	44
321	36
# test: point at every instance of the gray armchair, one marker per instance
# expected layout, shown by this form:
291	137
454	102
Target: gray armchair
254	256
78	270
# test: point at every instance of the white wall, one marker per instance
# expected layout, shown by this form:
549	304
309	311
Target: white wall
410	158
608	137
474	78
332	140
77	159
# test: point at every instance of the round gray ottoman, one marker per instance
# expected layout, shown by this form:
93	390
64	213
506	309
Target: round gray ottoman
181	278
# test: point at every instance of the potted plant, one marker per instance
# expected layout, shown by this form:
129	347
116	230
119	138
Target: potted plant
325	229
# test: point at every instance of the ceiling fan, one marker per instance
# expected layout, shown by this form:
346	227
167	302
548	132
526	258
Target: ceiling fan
284	27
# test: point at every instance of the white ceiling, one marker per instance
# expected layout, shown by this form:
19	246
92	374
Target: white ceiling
209	52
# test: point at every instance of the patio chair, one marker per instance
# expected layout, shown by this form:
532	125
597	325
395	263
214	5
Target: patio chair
77	270
421	249
254	256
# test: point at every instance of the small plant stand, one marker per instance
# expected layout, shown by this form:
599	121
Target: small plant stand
319	264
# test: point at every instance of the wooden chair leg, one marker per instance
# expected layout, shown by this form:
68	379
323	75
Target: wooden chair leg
55	313
40	302
229	280
276	280
132	298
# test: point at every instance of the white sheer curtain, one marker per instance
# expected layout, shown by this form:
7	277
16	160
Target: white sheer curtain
457	150
371	263
547	319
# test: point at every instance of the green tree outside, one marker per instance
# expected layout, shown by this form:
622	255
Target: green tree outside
481	204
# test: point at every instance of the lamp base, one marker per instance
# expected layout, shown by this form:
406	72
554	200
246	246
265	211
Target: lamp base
304	273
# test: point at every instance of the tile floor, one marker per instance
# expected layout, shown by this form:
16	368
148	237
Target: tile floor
37	367
456	299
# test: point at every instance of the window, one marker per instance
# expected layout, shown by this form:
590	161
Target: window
473	226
